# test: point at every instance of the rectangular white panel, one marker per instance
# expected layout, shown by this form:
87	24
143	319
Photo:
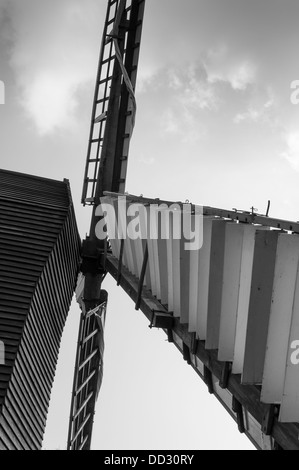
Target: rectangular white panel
176	270
244	296
203	278
131	224
259	306
147	279
289	409
157	267
110	219
230	292
215	283
211	315
153	236
163	226
193	289
119	208
137	233
193	275
169	249
133	231
151	258
143	243
162	259
184	282
152	270
285	275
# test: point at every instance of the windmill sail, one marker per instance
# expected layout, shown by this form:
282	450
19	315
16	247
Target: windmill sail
231	306
112	123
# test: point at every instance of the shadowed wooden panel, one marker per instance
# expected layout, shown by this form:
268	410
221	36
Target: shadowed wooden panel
39	259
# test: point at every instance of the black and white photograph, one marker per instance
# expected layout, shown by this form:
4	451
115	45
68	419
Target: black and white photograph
149	227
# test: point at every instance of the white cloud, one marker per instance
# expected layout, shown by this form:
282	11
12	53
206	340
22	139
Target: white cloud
260	110
249	115
174	80
292	149
147	78
169	122
182	125
190	95
241	75
146	159
54	54
50	100
222	67
198	93
193	92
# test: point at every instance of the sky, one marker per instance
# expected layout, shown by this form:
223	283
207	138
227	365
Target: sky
215	125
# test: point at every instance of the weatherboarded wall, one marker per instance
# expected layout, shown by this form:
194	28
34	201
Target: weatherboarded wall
39	258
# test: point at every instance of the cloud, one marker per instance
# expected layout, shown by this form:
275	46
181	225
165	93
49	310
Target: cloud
260	109
146	79
175	81
146	159
190	88
193	88
292	149
197	91
169	122
54	55
183	125
189	96
50	100
221	66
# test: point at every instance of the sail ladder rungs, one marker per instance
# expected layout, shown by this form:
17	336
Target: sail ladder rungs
88	359
91	335
85	382
83	405
81	428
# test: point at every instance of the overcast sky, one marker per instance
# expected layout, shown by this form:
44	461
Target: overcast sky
215	125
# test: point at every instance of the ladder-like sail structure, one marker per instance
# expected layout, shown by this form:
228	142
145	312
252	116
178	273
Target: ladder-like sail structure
112	123
114	106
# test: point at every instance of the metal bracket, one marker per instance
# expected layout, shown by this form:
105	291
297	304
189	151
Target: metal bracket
194	344
122	244
268	419
223	382
186	354
161	319
141	279
208	378
170	335
268	208
238	409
